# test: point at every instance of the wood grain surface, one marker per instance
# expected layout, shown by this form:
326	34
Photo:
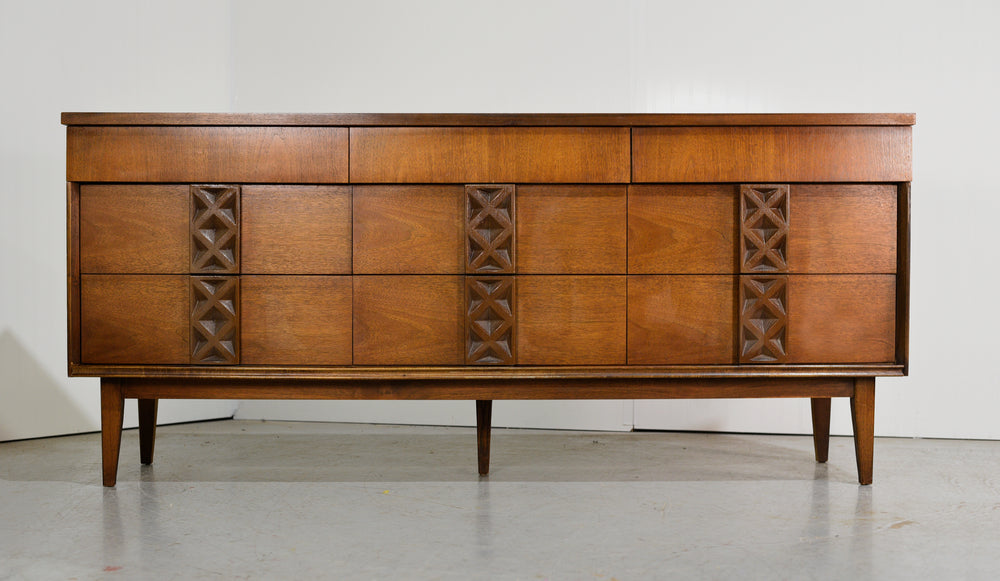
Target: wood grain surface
771	154
409	320
682	229
296	320
409	229
681	319
489	154
841	318
571	229
296	229
207	154
571	320
134	228
842	228
138	319
511	388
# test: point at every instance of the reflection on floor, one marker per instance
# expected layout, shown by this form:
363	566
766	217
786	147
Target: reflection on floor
285	500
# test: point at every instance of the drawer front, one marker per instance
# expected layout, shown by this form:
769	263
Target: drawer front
842	228
409	320
489	154
571	229
571	320
135	319
841	318
296	229
769	154
409	229
207	154
681	319
682	229
296	320
134	229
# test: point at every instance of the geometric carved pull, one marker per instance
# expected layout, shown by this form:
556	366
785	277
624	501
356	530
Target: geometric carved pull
490	324
215	329
489	229
764	228
215	229
763	319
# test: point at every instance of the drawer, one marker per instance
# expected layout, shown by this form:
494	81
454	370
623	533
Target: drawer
571	320
296	229
682	229
489	154
842	228
134	229
571	229
409	229
135	319
681	319
409	320
841	318
296	320
771	154
206	154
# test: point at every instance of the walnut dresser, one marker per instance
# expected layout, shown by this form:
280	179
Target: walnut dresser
482	257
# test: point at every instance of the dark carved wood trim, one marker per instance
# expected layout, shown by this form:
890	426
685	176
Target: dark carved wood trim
490	321
489	229
763	319
215	321
764	228
215	229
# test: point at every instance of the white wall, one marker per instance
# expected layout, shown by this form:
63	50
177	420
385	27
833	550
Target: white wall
516	56
80	56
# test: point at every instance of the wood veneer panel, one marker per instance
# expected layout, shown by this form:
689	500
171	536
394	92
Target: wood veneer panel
207	154
571	229
73	272
842	228
771	154
134	229
478	119
681	319
409	229
841	318
409	320
296	320
571	320
681	229
489	154
296	229
140	319
520	388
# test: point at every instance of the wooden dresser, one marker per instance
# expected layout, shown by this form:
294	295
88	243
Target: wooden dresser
488	257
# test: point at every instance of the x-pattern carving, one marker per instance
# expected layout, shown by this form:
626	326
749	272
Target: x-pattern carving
214	320
763	318
215	228
490	323
489	229
764	228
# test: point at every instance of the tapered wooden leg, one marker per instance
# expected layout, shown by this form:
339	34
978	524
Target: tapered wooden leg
484	418
863	417
821	427
147	429
112	413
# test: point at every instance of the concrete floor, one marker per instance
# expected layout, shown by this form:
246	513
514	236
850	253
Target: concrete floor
283	500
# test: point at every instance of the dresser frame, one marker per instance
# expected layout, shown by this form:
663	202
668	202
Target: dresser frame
95	154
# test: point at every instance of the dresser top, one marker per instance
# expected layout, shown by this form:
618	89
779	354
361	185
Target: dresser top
492	119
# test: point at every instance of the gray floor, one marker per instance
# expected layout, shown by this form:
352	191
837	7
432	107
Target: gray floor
282	500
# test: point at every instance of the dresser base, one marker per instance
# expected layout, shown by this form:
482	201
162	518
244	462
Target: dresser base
861	391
